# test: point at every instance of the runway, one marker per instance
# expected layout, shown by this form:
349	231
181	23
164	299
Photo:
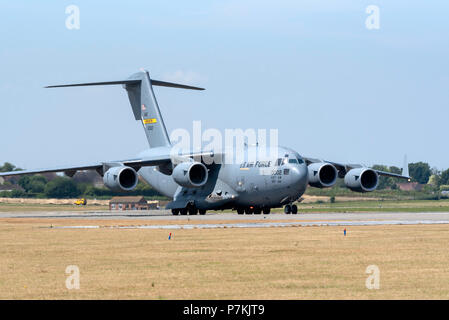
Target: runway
233	220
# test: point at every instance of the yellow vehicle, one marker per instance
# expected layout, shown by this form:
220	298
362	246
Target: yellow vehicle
81	202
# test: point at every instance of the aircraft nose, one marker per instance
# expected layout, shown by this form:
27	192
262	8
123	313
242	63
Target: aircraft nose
298	174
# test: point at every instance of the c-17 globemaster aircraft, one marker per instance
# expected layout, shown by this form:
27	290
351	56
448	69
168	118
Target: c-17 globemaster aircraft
196	185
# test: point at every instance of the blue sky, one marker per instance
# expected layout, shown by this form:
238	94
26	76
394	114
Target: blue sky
333	88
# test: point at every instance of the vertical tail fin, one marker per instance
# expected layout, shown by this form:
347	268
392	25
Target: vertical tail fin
146	109
143	103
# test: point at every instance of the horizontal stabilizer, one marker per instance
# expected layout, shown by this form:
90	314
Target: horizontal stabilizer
128	82
96	83
173	85
139	87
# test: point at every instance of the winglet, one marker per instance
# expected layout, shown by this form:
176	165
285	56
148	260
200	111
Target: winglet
405	172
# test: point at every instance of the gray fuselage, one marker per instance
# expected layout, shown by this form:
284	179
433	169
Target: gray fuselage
265	182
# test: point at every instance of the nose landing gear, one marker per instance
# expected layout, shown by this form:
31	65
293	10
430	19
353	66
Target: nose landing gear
291	208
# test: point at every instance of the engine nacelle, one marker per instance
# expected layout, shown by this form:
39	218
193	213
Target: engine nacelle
121	178
190	174
322	175
362	179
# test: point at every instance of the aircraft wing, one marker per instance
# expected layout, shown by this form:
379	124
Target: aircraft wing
344	168
102	167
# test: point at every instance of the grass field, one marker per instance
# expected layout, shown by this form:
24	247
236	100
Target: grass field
19	207
271	263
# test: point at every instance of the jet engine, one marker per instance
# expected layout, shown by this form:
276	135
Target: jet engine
362	179
322	175
190	174
120	178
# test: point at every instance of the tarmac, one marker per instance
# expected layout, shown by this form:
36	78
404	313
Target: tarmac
239	221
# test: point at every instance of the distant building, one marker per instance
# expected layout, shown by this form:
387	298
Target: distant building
2	181
410	186
132	203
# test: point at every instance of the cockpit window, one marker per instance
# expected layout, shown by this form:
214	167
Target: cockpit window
300	161
293	161
281	161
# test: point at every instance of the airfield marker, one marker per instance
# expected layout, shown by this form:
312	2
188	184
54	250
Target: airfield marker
344	232
169	236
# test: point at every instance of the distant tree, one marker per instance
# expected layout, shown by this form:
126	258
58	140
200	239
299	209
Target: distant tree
39	178
435	171
24	182
383	181
444	177
18	194
61	187
89	191
34	184
37	186
420	172
396	170
387	182
7	167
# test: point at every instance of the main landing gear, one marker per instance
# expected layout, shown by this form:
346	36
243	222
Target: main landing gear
291	208
266	210
190	210
253	210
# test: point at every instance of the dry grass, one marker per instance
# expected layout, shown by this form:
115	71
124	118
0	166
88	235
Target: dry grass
28	207
273	263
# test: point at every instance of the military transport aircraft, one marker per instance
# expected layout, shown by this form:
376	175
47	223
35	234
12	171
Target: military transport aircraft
196	185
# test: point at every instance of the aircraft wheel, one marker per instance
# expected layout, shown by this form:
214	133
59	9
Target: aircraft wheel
257	210
175	212
266	210
248	211
240	210
183	211
202	212
287	209
193	211
294	209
